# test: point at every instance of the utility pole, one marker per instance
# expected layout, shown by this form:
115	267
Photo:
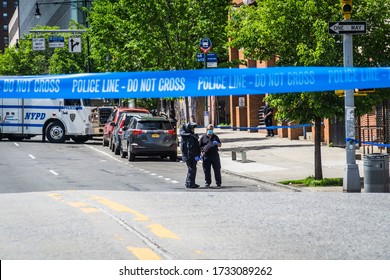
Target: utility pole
351	182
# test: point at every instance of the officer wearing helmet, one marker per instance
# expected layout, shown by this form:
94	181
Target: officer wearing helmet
190	152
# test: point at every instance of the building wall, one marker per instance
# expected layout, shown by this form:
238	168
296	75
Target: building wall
7	8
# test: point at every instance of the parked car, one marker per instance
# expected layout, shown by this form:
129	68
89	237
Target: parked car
113	120
122	124
149	136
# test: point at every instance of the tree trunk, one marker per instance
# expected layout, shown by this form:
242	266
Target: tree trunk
317	150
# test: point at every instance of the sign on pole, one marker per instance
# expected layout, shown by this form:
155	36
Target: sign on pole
347	27
56	42
211	57
39	44
74	45
205	44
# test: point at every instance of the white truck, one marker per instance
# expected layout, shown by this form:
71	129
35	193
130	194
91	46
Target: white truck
57	120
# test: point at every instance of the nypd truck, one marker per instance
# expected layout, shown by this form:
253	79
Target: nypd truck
57	120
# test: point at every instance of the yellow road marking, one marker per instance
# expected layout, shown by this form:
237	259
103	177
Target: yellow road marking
120	208
56	196
78	204
162	232
144	253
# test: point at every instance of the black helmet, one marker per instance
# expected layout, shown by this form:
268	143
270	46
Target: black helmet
189	127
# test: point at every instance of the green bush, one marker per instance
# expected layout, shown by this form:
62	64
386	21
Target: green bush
311	182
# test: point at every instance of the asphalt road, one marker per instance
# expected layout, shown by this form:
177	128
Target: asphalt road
73	201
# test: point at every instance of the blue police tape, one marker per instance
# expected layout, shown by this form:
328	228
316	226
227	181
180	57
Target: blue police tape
262	127
205	82
367	143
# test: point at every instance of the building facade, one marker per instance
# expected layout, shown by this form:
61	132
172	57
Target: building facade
8	8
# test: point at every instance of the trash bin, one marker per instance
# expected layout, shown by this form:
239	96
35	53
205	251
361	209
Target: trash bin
376	173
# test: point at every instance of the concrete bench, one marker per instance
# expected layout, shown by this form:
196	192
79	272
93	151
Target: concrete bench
240	150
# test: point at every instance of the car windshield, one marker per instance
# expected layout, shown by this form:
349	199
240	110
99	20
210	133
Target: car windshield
153	125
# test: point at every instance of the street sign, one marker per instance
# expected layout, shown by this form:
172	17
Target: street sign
56	42
347	27
205	44
212	64
74	45
211	57
39	44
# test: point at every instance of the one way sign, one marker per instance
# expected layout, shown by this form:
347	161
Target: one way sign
347	27
74	45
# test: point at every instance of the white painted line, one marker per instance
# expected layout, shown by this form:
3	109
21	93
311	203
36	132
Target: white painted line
175	182
31	156
104	153
16	144
153	174
53	172
168	179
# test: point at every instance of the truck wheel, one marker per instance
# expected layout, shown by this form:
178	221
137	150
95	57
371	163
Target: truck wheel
55	132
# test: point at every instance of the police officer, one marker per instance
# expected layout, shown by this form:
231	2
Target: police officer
190	152
209	144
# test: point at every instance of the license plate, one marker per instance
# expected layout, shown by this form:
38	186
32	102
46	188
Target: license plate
155	135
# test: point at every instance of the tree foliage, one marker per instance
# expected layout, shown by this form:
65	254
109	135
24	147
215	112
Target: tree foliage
23	60
296	32
155	34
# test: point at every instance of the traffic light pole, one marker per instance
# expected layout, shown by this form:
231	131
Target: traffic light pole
351	182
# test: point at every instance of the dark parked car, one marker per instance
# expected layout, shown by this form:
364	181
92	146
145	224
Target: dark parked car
121	125
113	120
149	136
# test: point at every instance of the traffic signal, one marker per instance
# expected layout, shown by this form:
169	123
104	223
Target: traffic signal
356	92
346	8
364	91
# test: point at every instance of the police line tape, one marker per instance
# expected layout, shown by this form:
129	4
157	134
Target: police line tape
355	141
194	83
262	127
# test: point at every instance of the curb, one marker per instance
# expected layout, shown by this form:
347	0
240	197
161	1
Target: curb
272	184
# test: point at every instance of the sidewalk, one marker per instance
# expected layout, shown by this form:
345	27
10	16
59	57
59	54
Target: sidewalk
273	159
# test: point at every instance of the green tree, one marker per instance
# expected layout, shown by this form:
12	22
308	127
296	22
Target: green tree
155	34
296	31
23	60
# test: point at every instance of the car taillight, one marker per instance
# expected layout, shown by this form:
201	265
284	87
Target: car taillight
136	132
120	131
171	132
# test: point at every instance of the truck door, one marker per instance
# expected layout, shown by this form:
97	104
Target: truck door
74	117
11	115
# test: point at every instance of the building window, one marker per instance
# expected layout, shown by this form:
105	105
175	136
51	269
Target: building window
5	15
5	27
5	40
5	4
16	3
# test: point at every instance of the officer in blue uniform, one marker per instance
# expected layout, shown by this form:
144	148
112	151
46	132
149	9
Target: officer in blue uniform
190	152
209	144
